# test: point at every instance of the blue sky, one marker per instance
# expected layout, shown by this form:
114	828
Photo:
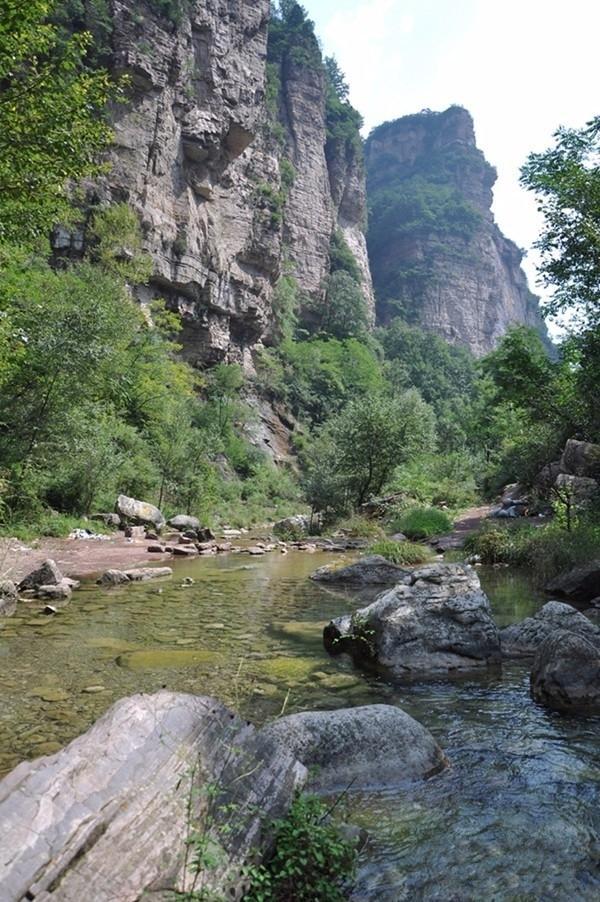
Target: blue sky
522	67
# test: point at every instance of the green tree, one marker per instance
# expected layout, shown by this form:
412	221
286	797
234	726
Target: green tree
52	123
362	445
566	180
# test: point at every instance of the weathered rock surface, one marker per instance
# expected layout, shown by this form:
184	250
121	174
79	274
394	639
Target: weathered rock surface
8	598
295	527
437	621
139	512
460	278
61	592
82	825
579	585
566	673
136	575
374	745
48	574
183	522
522	639
373	570
581	459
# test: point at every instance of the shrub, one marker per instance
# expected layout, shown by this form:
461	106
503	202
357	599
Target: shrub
361	528
311	859
422	523
403	553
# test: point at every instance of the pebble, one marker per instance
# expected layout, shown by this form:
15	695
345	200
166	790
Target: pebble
93	689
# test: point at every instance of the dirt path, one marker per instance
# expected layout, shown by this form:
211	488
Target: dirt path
464	525
77	558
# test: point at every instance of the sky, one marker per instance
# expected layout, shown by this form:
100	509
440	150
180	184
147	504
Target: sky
521	67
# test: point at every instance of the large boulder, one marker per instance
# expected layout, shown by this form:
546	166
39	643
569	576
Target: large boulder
367	746
295	527
183	521
580	585
46	575
566	673
521	640
140	512
373	570
437	621
8	598
107	817
581	490
581	459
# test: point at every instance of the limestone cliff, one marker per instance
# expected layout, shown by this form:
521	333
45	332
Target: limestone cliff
437	255
226	198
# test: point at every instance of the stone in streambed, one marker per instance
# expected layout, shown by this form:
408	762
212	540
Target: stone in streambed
371	570
139	512
523	639
566	673
140	574
46	575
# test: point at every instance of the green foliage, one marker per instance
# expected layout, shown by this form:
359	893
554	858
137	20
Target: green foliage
451	478
566	180
354	455
292	39
423	523
359	527
406	554
341	258
343	314
52	124
342	120
311	859
92	16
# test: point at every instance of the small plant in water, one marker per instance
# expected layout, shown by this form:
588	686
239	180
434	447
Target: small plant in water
406	553
361	633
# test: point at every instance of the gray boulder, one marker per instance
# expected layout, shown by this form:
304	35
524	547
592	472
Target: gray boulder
369	746
8	598
521	640
581	490
295	527
373	570
139	512
61	592
107	819
579	585
566	673
437	621
46	575
108	519
184	521
139	574
581	459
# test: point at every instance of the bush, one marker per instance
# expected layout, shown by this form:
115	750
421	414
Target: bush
403	553
361	528
311	859
422	523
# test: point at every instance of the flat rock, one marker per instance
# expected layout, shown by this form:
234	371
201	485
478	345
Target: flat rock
46	575
368	571
117	821
185	550
522	639
139	574
566	673
369	746
579	585
437	621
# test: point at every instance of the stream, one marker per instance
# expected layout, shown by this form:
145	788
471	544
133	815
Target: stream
515	817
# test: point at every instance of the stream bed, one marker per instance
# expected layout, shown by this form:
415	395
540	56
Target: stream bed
515	817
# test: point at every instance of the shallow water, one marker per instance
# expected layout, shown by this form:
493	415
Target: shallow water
515	817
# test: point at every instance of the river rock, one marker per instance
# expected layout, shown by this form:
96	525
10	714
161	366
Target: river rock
522	639
566	673
8	598
61	592
139	574
368	571
579	585
437	621
80	825
373	745
139	512
183	522
46	575
295	527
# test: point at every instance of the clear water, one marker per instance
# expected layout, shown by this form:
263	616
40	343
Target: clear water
515	817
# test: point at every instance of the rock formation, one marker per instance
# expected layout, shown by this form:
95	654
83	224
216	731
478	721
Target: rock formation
437	256
232	177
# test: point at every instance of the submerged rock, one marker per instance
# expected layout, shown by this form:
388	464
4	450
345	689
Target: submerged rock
437	621
139	511
566	673
118	821
523	639
368	571
61	592
8	598
579	585
140	574
46	575
368	746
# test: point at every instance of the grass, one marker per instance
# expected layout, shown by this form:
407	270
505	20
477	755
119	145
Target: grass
403	553
358	527
422	523
546	551
51	525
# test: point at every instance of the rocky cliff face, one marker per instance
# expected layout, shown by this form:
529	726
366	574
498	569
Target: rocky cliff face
438	257
197	158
